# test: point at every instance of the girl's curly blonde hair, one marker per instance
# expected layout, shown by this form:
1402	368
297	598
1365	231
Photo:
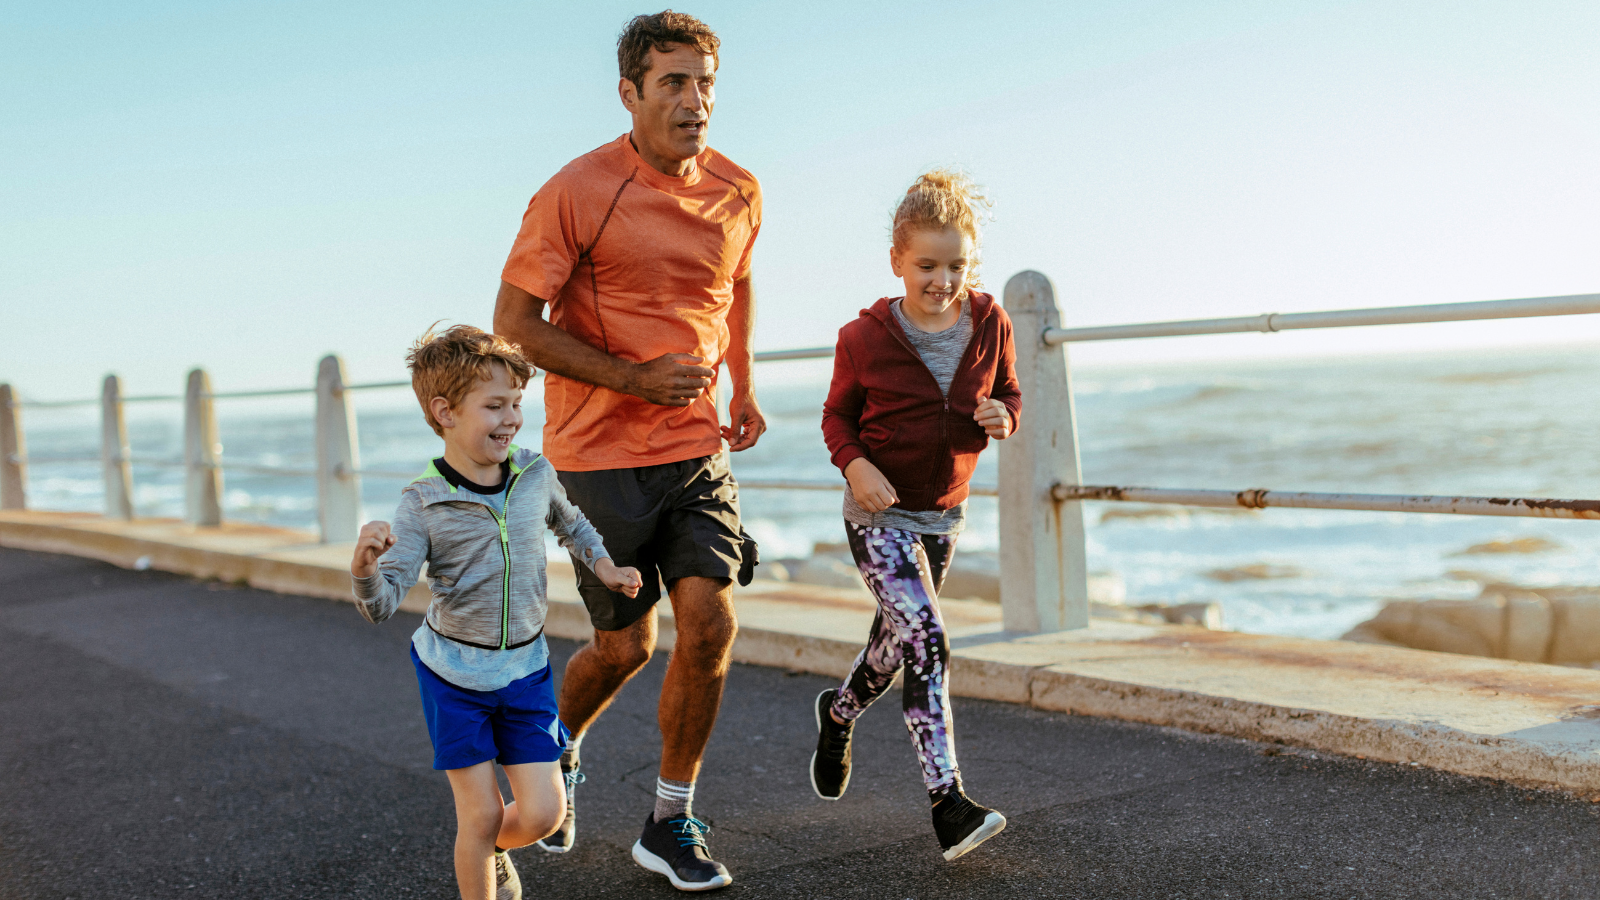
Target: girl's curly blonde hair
940	199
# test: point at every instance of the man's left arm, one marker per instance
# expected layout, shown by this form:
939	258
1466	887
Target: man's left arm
745	422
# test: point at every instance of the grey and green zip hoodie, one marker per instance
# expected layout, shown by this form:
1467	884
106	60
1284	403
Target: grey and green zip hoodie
486	570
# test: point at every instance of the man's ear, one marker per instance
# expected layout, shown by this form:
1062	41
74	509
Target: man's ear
440	407
629	92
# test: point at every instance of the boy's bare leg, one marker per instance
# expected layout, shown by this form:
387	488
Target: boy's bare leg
539	805
479	813
692	692
600	668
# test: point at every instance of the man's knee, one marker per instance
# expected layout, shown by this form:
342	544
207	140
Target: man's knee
626	650
705	620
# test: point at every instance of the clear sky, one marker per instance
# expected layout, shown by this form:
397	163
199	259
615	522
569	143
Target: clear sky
248	186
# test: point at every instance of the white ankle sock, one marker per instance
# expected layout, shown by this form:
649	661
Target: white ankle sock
569	756
673	798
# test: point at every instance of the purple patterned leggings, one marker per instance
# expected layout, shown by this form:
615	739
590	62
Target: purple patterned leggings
904	570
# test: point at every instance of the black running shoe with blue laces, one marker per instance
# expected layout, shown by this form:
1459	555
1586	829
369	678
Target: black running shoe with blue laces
830	763
962	825
676	848
566	834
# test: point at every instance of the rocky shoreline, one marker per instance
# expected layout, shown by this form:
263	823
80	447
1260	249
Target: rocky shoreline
1557	625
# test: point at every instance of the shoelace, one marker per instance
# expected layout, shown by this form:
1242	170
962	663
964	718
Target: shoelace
500	872
836	737
691	832
956	808
836	744
573	779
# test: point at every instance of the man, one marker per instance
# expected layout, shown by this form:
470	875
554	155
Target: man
641	249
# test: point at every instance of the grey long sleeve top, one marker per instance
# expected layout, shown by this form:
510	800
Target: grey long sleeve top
486	570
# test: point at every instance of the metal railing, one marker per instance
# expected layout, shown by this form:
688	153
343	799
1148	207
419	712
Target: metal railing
337	470
1043	572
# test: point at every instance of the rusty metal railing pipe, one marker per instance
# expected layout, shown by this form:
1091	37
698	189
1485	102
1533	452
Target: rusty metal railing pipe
1575	304
792	484
1534	507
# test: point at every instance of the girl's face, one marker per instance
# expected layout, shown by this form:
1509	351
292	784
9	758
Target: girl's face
933	265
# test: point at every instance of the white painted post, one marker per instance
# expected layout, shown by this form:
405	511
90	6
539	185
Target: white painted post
338	455
13	452
114	455
201	453
1043	578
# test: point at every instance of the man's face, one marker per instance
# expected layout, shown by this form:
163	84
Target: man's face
672	115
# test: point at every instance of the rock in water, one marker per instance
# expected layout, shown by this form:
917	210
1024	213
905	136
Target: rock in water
1548	625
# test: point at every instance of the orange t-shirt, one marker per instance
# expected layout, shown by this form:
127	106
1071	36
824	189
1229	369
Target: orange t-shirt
636	264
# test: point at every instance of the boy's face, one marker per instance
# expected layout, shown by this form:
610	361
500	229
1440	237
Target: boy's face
482	426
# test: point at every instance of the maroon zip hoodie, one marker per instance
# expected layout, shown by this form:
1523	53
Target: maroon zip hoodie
885	405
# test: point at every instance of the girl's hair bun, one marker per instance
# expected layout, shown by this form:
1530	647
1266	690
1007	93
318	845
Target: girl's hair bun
939	199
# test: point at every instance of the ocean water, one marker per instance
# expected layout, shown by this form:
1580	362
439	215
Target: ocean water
1524	423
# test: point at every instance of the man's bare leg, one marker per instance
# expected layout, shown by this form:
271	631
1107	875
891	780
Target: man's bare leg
691	695
600	668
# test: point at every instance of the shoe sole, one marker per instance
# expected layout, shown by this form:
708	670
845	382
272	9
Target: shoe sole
993	824
554	848
817	708
659	866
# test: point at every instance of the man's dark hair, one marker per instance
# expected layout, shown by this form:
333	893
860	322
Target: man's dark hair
660	31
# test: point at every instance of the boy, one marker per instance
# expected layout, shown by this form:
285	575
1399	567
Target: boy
477	517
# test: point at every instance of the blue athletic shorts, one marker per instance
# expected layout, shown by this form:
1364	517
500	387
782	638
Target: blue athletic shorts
514	725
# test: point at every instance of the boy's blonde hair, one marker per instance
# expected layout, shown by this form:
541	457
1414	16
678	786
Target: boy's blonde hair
448	363
940	199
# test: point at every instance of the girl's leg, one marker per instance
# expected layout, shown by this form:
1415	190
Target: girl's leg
873	672
925	693
878	662
479	813
902	569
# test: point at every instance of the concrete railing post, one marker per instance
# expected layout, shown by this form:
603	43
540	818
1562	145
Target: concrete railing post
1043	582
13	452
202	453
338	455
114	454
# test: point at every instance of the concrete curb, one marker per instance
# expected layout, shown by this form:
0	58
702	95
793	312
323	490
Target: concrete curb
1520	722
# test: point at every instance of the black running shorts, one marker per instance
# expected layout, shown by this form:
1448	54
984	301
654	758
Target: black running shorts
669	521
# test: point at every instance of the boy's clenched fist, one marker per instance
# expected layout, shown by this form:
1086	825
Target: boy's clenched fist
373	541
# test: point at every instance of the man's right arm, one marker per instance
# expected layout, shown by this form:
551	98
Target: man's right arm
673	379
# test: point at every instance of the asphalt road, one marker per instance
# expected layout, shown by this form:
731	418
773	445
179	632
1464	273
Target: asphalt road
162	737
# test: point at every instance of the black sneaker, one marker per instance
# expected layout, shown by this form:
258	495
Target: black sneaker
962	825
566	834
830	764
507	886
676	848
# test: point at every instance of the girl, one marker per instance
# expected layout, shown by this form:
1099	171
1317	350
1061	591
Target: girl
920	384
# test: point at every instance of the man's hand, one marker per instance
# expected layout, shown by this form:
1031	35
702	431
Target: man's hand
373	541
622	579
994	418
746	424
872	491
672	379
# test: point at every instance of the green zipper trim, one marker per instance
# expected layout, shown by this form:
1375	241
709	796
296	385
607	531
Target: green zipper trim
505	551
433	472
505	538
